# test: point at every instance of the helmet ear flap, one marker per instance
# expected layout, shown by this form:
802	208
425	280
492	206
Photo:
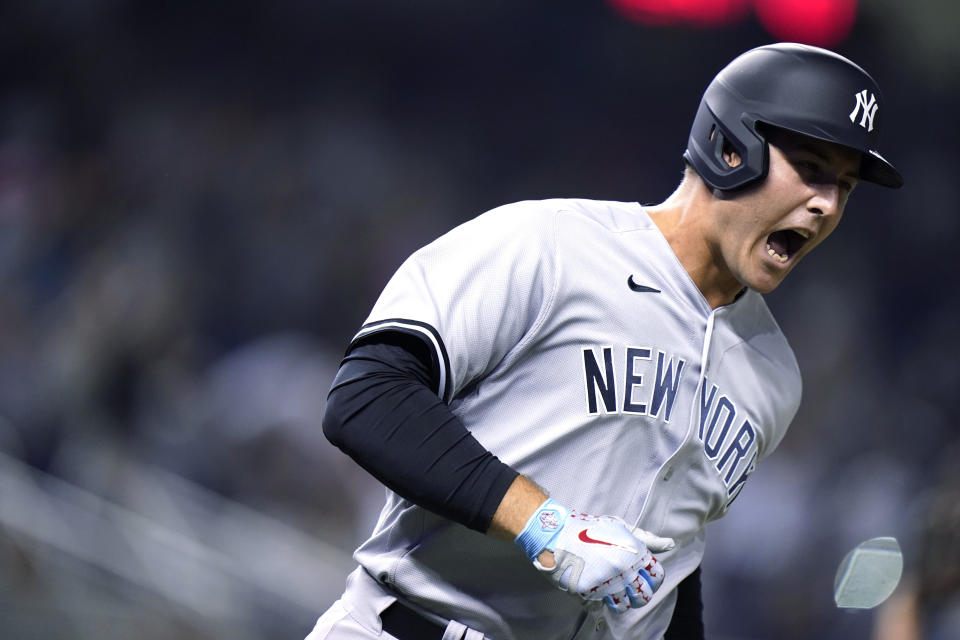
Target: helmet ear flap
710	139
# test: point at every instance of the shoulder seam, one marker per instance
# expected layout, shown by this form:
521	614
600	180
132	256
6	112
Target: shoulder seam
547	306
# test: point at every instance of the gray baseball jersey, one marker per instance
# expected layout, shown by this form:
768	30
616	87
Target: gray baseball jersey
574	345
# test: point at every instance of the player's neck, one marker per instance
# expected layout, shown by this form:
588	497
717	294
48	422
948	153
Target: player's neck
683	221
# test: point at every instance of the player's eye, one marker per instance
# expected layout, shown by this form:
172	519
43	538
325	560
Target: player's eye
804	164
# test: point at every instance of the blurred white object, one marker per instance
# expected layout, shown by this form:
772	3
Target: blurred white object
868	574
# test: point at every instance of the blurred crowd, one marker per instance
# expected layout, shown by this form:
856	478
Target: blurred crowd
198	205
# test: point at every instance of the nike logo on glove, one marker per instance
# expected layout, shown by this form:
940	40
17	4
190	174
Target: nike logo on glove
640	288
585	537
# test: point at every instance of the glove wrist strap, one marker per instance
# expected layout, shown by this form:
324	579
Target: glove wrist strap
542	527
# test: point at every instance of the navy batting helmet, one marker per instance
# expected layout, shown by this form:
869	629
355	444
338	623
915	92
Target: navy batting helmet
800	88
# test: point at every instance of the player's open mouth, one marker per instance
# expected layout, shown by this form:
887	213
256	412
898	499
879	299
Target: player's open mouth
786	243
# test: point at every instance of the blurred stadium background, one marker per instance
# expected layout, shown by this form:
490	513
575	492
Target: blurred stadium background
199	202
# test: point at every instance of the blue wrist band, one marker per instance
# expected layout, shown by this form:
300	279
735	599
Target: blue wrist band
542	527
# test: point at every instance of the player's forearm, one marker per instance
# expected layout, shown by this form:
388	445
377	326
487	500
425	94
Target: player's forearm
518	504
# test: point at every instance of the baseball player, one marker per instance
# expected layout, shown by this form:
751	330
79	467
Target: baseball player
560	395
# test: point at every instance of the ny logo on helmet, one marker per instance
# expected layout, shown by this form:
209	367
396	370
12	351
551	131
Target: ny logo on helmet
869	109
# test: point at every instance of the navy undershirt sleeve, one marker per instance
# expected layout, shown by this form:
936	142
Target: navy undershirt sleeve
382	412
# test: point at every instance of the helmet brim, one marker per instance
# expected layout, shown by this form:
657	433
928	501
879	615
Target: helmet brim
875	168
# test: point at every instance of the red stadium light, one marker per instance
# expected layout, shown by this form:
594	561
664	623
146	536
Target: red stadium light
817	22
702	13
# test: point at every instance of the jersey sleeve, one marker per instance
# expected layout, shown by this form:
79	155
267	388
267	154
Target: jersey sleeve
476	293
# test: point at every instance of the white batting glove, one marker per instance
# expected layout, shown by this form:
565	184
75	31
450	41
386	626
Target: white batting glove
601	558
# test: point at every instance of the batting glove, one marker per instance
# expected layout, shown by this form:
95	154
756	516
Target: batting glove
601	558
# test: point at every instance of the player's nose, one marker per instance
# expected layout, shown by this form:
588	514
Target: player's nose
827	199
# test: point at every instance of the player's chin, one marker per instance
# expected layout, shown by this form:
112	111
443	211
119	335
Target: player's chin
765	288
769	273
766	280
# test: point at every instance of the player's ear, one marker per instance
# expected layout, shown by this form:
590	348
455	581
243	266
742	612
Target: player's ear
730	155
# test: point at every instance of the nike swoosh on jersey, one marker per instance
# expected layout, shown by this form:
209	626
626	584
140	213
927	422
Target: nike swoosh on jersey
586	537
640	288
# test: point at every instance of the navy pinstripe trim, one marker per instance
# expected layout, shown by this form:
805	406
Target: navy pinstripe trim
425	332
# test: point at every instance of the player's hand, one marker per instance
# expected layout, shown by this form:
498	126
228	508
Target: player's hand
601	558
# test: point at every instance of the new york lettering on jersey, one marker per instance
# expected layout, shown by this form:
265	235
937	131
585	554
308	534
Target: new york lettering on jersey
733	450
659	393
647	385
